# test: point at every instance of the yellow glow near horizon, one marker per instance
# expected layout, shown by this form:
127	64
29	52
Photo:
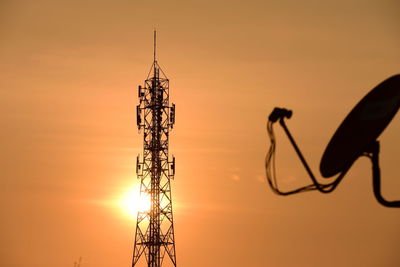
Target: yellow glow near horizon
132	202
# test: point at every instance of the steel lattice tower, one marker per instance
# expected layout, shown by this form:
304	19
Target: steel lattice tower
155	228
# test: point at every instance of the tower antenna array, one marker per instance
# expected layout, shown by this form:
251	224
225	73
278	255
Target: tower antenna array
154	237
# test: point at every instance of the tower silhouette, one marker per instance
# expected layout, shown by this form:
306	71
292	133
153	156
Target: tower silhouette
154	237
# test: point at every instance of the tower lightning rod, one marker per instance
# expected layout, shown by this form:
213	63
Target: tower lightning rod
155	41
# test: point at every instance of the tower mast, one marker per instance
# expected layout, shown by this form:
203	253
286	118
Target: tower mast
155	228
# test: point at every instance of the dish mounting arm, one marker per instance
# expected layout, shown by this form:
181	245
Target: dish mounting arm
280	114
373	154
323	188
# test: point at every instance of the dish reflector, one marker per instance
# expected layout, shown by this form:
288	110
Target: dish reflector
361	127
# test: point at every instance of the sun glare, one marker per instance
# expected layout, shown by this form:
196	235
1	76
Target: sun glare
132	202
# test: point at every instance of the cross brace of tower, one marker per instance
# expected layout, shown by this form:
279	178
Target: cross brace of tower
154	237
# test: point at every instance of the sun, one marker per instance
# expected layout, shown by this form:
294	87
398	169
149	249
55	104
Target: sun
132	202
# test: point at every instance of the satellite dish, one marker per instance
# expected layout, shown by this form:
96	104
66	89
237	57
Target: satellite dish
355	137
361	127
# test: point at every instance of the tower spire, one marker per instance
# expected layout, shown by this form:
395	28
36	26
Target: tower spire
155	43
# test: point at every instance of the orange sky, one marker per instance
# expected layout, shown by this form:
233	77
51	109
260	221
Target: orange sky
68	77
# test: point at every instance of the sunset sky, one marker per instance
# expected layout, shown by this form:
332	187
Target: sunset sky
69	72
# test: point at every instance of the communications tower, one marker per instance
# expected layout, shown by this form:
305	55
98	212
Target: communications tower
154	237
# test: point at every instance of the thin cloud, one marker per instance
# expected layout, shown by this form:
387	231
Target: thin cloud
260	178
235	177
